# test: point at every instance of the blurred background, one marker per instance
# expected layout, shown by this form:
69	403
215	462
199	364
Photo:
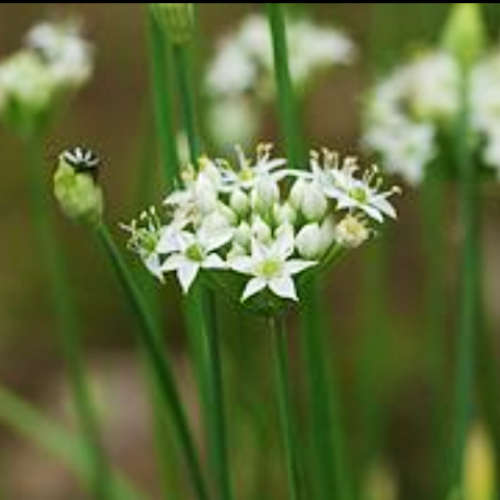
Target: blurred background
383	341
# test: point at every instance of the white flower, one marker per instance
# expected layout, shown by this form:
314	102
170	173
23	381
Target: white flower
271	267
351	232
193	252
314	203
67	55
339	183
247	172
144	238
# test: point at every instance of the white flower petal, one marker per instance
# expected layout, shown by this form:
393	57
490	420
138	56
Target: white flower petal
186	274
153	265
296	266
173	262
380	202
254	286
213	261
284	287
242	264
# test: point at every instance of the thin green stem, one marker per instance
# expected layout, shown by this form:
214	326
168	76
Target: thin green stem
206	341
469	292
284	394
162	99
435	306
64	306
286	97
153	347
184	87
328	454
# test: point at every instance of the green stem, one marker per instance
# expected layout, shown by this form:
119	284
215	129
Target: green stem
330	474
329	454
286	97
284	394
469	292
217	421
184	87
64	307
162	98
151	343
435	307
206	342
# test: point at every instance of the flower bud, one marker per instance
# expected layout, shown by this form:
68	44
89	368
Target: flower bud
464	34
309	242
239	202
177	19
284	213
206	194
351	232
243	234
314	202
261	231
265	193
297	193
76	188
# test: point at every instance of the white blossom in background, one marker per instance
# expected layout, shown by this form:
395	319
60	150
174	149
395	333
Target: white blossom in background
240	78
54	62
411	110
260	223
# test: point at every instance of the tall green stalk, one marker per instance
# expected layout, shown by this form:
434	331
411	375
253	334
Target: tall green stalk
153	348
469	304
202	304
162	100
64	306
283	389
433	198
329	470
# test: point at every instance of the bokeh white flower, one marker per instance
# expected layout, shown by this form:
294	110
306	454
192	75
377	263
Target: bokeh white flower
54	62
240	78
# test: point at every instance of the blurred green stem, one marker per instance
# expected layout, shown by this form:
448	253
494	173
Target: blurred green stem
162	100
68	327
154	349
202	302
329	467
469	301
433	197
278	332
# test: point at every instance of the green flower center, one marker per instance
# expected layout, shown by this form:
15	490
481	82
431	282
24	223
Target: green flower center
247	174
359	194
270	268
195	252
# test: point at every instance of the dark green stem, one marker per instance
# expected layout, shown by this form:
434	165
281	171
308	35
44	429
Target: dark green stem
64	306
435	306
330	464
286	97
162	99
284	394
182	70
469	305
205	340
153	347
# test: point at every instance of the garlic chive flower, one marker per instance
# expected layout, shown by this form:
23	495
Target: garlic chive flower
240	78
54	62
253	227
76	188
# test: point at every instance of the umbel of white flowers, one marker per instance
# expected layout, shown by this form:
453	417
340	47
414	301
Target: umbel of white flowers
241	74
54	62
255	227
412	113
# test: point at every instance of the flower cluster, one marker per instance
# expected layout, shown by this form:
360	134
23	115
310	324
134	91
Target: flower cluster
54	62
243	67
412	110
258	224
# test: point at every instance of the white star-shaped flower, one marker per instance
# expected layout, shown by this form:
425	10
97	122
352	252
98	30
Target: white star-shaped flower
270	266
191	252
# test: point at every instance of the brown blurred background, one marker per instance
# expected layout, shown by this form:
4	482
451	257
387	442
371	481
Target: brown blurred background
113	115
